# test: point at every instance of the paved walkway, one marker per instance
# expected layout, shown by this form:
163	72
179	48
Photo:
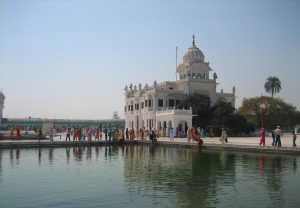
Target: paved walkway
286	140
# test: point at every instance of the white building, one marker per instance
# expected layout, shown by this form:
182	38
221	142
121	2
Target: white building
2	98
154	106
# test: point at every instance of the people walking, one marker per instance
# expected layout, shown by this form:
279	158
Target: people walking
80	131
277	135
84	133
109	132
105	134
262	137
68	136
87	134
294	138
202	133
51	134
40	134
147	133
11	131
171	133
18	132
97	135
152	135
224	136
189	135
131	133
100	133
140	134
74	132
273	137
127	134
144	133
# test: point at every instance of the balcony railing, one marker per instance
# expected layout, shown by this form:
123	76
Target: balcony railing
174	112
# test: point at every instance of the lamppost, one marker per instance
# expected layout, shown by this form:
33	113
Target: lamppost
262	106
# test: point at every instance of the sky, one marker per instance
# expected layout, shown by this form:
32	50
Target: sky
72	59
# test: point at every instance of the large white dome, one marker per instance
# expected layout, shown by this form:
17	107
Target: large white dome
193	54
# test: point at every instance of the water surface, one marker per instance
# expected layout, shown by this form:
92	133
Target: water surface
146	176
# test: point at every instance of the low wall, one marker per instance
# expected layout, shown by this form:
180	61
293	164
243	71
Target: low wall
218	147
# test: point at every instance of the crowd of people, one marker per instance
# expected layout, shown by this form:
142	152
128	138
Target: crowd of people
143	134
276	137
89	133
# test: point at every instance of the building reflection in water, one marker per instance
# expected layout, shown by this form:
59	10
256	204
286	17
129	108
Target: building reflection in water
199	176
274	182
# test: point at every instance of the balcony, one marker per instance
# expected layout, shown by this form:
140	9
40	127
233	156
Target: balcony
174	112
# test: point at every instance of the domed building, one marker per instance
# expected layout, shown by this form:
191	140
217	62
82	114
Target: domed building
154	106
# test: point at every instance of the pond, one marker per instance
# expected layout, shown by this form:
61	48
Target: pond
146	176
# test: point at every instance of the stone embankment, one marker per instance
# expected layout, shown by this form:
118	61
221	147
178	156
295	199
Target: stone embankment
237	144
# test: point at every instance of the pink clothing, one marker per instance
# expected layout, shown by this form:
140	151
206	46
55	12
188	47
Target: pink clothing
262	137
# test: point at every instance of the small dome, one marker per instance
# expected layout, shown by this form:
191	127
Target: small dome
193	54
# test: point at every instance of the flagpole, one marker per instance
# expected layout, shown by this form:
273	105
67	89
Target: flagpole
176	63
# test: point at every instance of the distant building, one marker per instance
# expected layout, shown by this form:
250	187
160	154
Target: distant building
2	98
154	106
32	123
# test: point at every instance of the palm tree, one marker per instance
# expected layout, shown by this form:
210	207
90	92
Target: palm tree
272	85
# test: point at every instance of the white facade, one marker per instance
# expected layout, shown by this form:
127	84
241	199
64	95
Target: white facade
2	98
154	106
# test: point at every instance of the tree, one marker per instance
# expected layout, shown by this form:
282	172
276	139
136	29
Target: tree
116	115
200	105
223	115
277	112
216	117
273	85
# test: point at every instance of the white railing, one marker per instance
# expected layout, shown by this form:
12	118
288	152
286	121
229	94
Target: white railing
174	112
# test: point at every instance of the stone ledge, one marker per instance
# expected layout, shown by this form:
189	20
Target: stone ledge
227	147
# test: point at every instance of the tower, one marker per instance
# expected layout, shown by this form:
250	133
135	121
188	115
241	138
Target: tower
2	98
193	66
